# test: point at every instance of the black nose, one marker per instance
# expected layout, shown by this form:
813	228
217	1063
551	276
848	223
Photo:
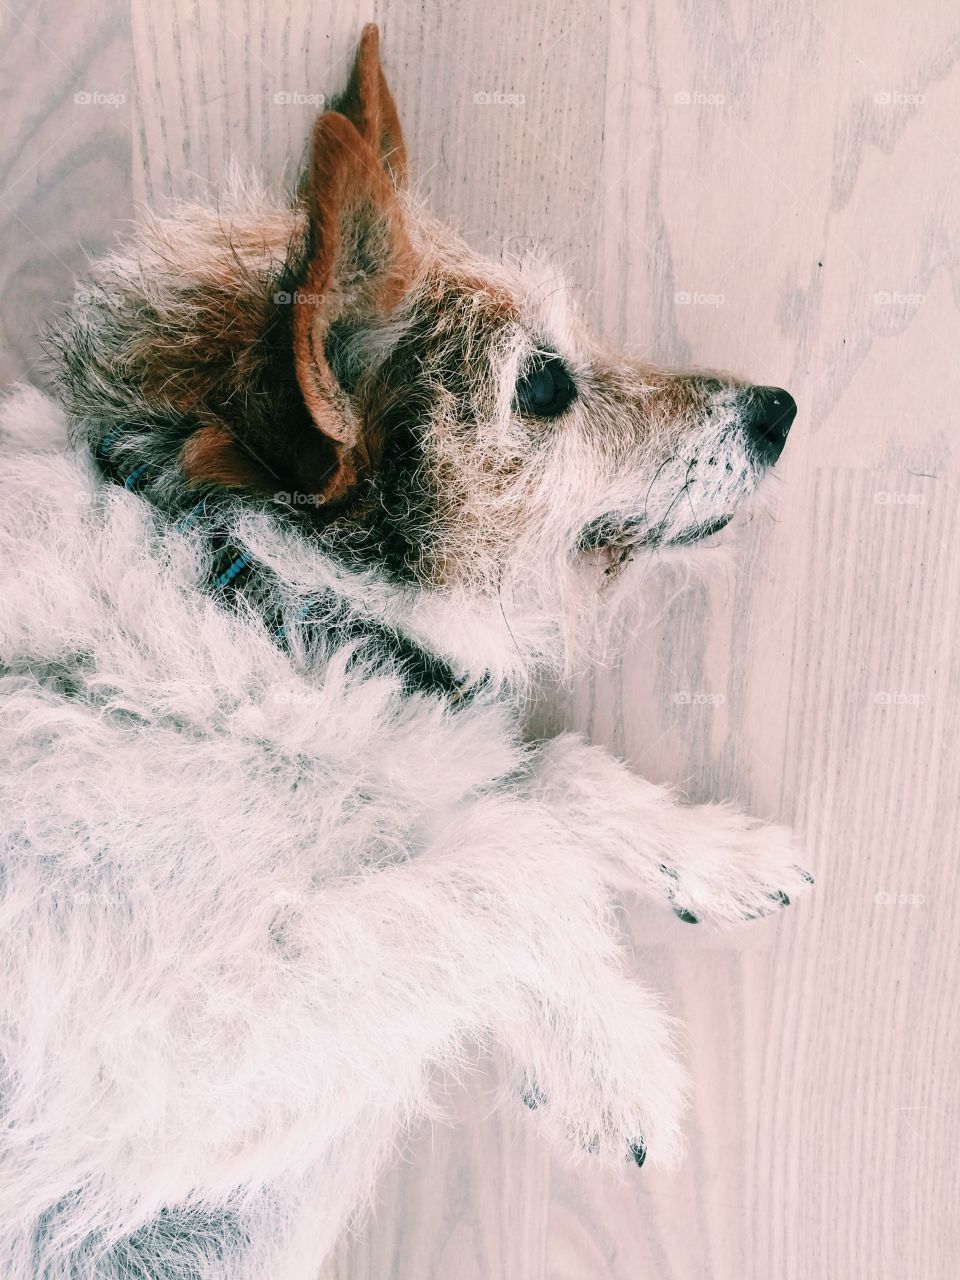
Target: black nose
769	416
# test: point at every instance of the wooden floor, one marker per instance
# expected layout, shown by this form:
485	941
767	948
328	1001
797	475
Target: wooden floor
770	187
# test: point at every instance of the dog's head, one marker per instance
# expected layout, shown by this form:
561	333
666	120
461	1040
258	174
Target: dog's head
444	418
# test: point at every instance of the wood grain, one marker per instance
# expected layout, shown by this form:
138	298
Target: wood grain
799	166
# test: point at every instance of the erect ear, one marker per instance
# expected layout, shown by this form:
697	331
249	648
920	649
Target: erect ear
356	267
369	105
359	266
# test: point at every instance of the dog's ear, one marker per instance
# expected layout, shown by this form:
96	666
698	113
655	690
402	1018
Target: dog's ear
368	104
356	266
359	264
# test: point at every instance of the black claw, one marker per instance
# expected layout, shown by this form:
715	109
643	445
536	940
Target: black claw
779	899
686	916
668	871
532	1096
806	876
638	1153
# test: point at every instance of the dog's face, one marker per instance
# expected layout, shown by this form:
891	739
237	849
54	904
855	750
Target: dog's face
449	419
507	439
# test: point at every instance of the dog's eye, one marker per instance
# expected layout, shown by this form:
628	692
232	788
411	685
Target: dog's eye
545	388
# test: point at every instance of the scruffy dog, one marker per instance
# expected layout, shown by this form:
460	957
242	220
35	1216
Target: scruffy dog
274	854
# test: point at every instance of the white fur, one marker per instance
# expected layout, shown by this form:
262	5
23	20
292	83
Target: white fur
255	903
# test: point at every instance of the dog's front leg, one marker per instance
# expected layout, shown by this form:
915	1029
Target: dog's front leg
708	862
500	929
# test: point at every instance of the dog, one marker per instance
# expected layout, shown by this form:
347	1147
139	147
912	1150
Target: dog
321	496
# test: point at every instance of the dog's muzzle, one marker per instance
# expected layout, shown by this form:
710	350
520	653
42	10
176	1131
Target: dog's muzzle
767	420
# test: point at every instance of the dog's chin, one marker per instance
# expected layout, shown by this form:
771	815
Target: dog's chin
697	533
613	543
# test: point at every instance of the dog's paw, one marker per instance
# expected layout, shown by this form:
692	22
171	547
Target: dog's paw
604	1140
615	1092
534	1098
611	1141
731	868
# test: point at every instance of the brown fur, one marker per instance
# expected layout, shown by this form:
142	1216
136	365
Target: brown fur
349	198
368	104
357	159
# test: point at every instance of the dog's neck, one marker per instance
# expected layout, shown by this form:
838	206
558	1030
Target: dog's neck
312	591
297	615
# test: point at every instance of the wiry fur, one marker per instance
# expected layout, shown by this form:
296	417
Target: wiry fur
173	335
258	898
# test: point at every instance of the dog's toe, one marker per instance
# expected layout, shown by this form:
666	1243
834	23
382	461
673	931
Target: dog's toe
532	1095
776	900
637	1153
673	879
